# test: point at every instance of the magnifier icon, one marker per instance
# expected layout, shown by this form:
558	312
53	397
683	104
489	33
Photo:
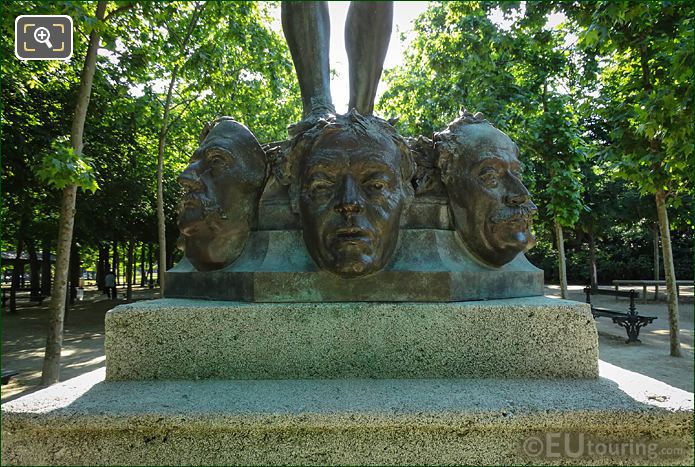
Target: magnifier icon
43	36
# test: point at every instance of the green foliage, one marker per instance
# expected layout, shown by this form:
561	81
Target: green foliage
61	166
593	133
624	251
646	89
523	79
236	65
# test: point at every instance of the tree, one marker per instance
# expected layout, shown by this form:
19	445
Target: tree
66	168
34	95
181	53
646	96
223	60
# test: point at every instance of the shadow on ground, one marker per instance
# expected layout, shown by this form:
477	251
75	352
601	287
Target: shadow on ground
24	340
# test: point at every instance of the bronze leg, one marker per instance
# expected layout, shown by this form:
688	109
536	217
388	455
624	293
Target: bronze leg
367	33
307	29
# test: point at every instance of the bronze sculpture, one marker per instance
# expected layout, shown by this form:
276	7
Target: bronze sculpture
350	183
492	209
353	211
222	183
367	32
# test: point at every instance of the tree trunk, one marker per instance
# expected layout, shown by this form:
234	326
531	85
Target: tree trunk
161	220
157	256
46	268
134	272
129	270
116	260
669	272
102	265
16	273
121	264
22	280
151	261
73	280
561	259
34	270
74	272
142	265
54	341
164	129
657	266
593	276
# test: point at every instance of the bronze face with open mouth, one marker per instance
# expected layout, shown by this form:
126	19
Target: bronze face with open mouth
492	209
222	185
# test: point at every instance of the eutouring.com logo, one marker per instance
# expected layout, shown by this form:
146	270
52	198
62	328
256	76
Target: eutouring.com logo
580	445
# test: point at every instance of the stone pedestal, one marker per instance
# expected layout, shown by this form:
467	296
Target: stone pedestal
621	418
534	337
296	385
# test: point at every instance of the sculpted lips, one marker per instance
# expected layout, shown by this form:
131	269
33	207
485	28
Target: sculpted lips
351	235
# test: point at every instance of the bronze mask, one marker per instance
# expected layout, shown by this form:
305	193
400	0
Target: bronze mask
222	185
492	209
353	184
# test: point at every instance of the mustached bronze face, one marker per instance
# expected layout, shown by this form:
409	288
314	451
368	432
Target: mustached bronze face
491	207
351	197
222	185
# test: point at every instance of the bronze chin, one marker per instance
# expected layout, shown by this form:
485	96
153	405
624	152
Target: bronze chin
510	233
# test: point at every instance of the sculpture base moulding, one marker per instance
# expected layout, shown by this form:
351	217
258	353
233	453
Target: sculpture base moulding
430	266
621	418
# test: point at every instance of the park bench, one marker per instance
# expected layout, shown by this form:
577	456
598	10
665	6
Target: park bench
32	297
645	283
631	321
7	375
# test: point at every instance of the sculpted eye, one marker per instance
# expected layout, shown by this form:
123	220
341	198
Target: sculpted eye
218	158
489	178
376	185
320	186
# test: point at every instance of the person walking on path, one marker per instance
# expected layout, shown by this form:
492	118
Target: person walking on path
110	285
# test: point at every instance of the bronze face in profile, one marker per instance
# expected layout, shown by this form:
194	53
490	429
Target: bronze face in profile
351	184
492	209
222	186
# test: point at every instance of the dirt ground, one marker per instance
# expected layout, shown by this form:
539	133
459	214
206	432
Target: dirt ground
24	339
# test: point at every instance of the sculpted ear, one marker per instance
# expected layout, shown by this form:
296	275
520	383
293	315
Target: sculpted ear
277	163
284	165
443	154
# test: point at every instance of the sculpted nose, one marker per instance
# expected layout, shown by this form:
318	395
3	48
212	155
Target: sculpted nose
517	194
348	200
189	178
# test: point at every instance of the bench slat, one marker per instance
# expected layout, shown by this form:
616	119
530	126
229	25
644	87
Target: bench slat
606	312
615	293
